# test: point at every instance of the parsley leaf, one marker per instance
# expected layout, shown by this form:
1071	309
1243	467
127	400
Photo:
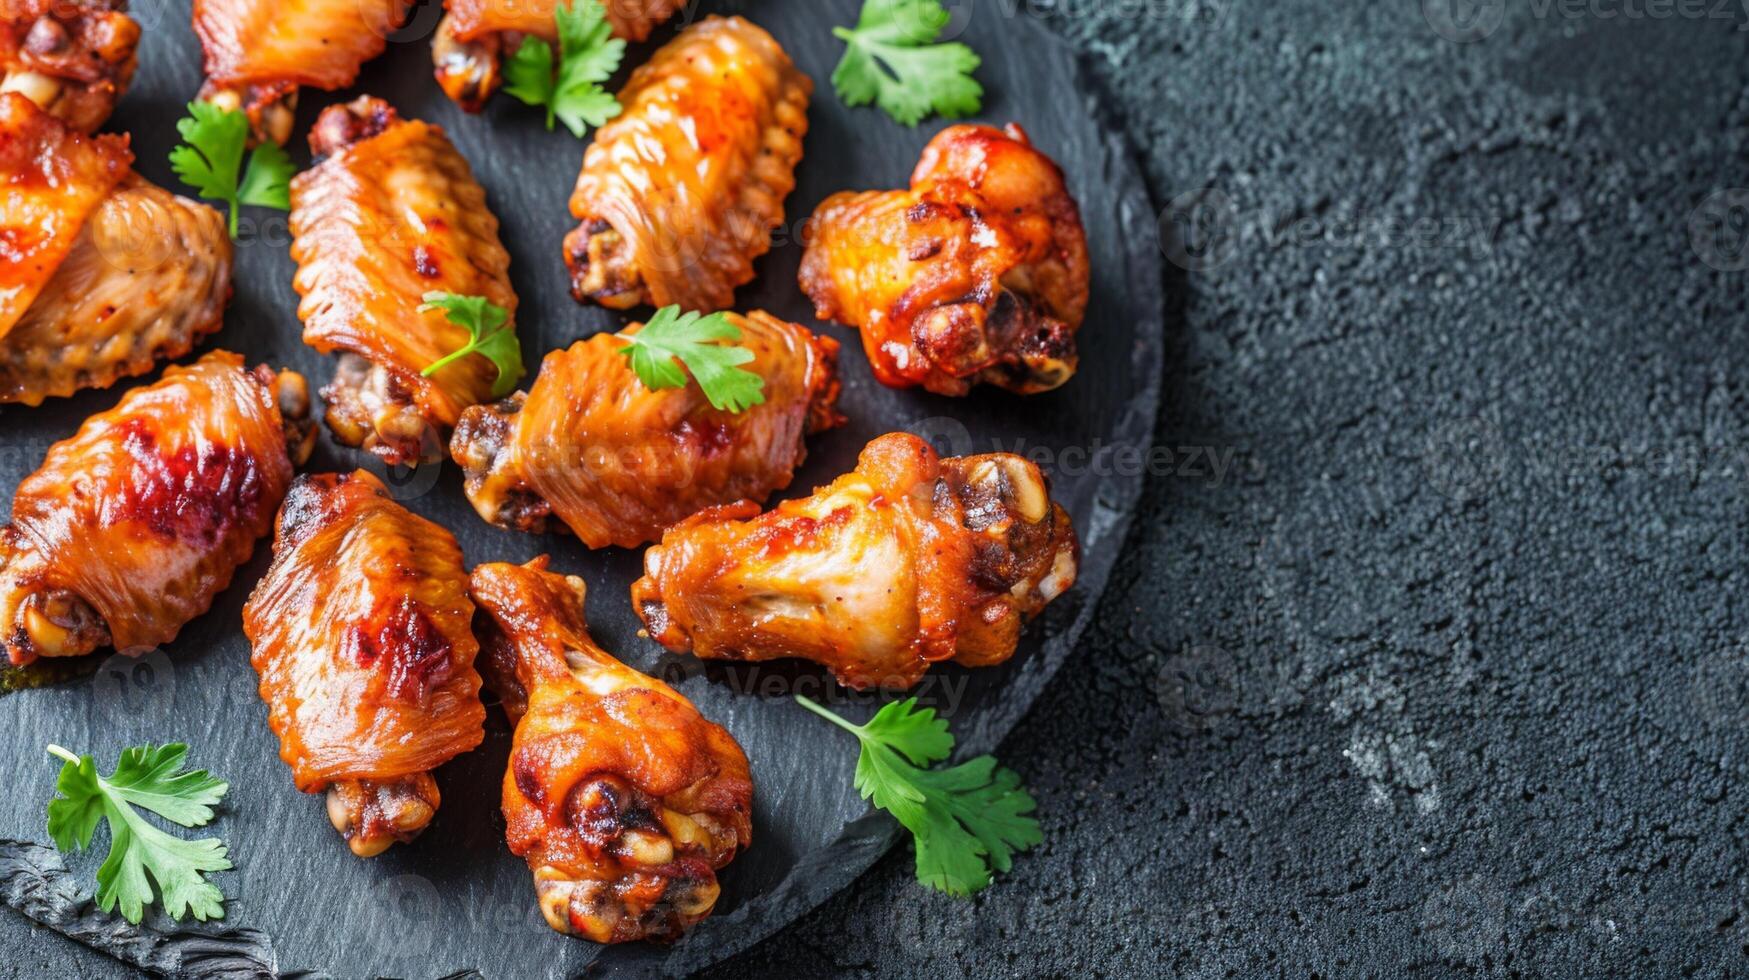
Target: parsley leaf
492	338
149	777
588	55
967	820
212	152
892	59
673	338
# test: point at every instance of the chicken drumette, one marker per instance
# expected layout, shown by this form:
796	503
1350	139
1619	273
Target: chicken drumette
392	212
907	561
622	798
977	273
130	528
361	632
74	58
475	36
617	462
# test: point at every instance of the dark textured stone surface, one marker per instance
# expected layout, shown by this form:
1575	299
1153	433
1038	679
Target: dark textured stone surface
1448	676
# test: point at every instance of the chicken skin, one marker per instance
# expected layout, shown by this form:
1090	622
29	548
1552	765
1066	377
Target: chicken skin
113	273
622	798
361	632
391	212
475	36
130	528
978	273
73	58
617	463
679	193
906	561
259	52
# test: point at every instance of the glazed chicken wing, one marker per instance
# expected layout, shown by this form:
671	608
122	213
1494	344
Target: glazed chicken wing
617	462
361	632
115	273
475	37
623	799
74	58
679	193
978	273
390	213
258	52
130	528
906	561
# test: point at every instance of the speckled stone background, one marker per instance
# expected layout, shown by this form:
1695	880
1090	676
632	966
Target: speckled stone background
1441	666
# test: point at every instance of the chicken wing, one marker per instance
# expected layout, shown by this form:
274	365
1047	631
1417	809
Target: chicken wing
258	52
623	799
475	37
906	561
617	462
124	274
130	528
361	632
390	213
978	273
679	193
74	58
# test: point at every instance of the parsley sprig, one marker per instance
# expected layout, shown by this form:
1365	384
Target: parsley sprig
968	820
673	338
588	55
893	60
492	337
212	155
150	777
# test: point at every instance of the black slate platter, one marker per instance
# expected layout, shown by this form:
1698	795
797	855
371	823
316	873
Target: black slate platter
456	900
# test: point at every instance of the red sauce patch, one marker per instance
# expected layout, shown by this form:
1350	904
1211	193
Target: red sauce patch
709	438
424	262
408	645
194	495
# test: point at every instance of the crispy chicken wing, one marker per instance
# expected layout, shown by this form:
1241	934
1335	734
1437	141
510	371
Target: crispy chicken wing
390	213
258	52
623	799
617	462
73	58
361	632
113	273
475	37
130	528
906	561
978	273
679	193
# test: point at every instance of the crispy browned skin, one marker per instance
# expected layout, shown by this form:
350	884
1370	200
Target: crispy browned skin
623	799
390	213
258	52
73	58
130	528
617	462
475	37
906	561
679	193
978	273
361	632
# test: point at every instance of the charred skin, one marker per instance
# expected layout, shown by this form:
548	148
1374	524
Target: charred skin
623	800
360	632
678	194
616	463
907	561
976	274
73	58
131	527
390	212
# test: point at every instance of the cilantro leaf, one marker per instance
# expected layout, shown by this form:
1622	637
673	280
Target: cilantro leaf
673	338
212	153
892	59
492	337
140	854
967	820
571	91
